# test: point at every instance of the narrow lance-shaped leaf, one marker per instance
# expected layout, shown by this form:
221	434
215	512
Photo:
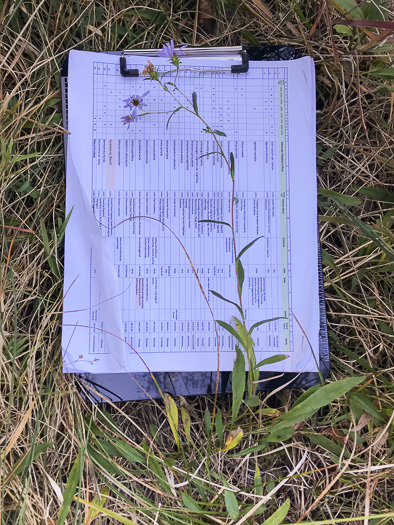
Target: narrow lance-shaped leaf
190	503
70	488
339	198
320	398
263	322
232	331
185	417
238	382
194	98
232	168
248	246
216	222
172	412
240	275
219	425
207	422
247	341
219	296
210	153
258	485
272	360
172	114
369	232
215	131
111	514
279	515
231	503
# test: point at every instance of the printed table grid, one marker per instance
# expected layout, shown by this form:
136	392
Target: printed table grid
110	90
117	141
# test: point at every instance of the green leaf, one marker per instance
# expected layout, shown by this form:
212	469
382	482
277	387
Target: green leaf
307	394
107	465
173	418
252	400
190	502
339	198
257	481
129	452
247	341
263	322
320	398
219	426
382	73
232	168
378	194
280	435
194	98
233	438
367	405
279	515
343	30
250	37
185	417
100	509
349	7
207	422
325	443
232	331
159	473
99	500
272	360
216	222
70	488
238	382
216	294
248	246
210	153
172	114
328	260
370	233
221	133
231	503
45	238
27	459
240	274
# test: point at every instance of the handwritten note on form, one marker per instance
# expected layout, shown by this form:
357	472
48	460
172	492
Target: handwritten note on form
137	195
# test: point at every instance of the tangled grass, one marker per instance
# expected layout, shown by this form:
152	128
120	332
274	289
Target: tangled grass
64	460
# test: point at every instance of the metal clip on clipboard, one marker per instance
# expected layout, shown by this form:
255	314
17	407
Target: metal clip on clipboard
234	51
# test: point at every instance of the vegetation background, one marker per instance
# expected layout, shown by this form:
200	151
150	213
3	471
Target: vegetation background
63	460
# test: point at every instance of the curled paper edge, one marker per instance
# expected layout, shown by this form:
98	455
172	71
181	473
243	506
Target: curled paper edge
116	357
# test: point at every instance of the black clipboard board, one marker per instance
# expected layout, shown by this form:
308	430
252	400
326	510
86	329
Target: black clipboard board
139	386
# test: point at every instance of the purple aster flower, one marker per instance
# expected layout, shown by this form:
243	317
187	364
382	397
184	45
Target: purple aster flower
170	52
127	119
134	102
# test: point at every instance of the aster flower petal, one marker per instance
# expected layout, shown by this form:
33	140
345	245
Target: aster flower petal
134	115
169	51
134	103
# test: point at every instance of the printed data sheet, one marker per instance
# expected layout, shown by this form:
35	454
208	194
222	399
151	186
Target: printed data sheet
140	265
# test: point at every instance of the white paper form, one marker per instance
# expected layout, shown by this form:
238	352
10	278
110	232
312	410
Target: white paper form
138	193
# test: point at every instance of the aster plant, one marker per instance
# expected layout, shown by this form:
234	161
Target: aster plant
241	334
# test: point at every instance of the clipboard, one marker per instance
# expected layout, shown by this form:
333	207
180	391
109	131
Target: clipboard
139	386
